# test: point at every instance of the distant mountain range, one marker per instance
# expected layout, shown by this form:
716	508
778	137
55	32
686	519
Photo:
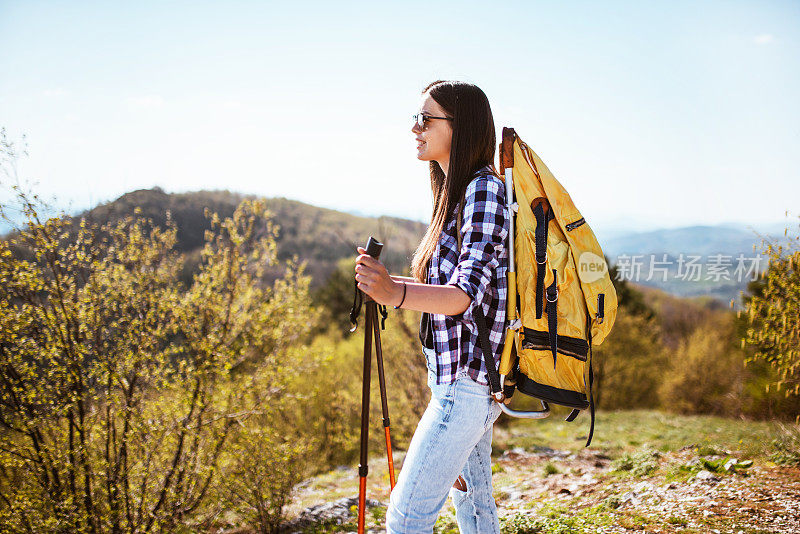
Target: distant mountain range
716	261
704	240
324	237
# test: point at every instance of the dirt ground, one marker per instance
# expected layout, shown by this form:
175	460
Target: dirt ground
672	492
760	498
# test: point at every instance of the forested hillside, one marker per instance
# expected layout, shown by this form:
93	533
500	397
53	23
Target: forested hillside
320	236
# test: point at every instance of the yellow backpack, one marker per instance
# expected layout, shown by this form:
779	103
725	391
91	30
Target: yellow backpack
561	300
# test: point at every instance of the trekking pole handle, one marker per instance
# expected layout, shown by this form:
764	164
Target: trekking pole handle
374	247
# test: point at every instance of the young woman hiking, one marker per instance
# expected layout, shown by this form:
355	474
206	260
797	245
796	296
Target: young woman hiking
451	447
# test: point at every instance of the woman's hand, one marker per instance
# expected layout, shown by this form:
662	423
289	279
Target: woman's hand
374	280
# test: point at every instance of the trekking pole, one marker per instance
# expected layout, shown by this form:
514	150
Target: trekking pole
373	248
508	356
514	323
373	309
362	464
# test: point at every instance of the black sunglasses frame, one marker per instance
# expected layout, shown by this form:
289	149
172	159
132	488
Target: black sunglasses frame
420	119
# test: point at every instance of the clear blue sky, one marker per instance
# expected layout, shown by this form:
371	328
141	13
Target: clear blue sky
652	114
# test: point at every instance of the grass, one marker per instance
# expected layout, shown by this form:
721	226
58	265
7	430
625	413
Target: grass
551	469
558	519
636	464
786	446
618	432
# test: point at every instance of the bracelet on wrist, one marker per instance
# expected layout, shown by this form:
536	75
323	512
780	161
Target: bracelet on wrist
404	296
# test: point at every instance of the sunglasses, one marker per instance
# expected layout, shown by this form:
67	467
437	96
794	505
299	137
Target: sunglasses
421	119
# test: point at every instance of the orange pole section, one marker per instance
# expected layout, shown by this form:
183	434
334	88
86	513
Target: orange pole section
389	454
362	496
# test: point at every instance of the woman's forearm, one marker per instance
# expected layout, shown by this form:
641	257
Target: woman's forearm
446	300
402	278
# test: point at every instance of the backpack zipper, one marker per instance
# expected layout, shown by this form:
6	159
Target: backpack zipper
571	226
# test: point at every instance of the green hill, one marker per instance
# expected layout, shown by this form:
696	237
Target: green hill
320	236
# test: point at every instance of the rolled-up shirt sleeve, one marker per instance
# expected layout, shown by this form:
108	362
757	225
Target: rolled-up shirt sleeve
485	227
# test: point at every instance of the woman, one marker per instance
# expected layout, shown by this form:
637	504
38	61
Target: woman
451	447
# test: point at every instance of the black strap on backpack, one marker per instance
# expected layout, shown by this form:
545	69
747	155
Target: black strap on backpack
574	413
600	316
591	396
552	314
543	214
486	349
591	373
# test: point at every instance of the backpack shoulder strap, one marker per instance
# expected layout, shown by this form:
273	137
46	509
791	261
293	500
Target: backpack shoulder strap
480	320
459	223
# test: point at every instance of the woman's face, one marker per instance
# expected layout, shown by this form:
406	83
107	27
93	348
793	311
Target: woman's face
433	141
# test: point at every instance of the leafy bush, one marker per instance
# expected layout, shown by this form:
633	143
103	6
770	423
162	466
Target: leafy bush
773	315
123	392
629	365
706	373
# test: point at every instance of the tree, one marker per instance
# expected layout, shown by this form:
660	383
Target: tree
629	365
121	390
627	296
773	314
705	375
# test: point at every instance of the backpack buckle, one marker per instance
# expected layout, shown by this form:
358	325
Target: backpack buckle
544	258
549	293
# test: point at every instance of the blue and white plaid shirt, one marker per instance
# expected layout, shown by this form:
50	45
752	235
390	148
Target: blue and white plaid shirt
480	270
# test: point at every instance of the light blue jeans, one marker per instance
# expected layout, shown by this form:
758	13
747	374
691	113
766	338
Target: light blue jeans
454	436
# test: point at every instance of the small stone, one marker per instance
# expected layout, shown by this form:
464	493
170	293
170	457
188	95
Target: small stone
514	496
730	464
706	476
337	512
630	497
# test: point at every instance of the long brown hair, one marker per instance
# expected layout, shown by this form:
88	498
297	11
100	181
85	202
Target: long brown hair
471	148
